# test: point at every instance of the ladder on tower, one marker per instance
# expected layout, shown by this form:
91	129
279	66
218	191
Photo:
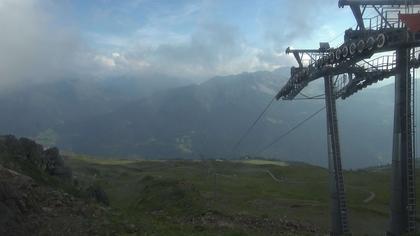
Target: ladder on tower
336	155
411	191
342	199
340	182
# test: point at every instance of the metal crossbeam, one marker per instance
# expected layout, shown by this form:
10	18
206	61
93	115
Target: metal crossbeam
333	63
342	3
303	76
385	32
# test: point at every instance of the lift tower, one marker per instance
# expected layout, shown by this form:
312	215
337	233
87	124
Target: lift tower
391	23
338	208
394	28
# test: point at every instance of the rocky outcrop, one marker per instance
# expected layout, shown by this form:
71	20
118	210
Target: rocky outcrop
27	208
24	155
32	196
18	196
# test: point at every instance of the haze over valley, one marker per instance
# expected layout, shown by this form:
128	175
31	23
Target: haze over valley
209	117
130	119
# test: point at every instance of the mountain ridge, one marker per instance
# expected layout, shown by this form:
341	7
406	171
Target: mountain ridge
199	120
205	120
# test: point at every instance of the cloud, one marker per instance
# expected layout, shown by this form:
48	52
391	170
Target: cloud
188	42
213	49
210	47
32	48
289	21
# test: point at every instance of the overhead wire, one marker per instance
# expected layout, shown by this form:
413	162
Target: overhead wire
319	96
305	97
313	98
290	131
248	131
238	143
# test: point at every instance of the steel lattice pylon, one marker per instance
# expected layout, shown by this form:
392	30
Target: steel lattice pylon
384	32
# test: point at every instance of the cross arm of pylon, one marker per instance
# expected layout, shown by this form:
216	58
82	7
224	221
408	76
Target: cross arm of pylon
345	71
363	76
342	3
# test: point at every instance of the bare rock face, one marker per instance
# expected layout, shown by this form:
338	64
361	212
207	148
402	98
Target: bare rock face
18	153
27	208
18	196
32	199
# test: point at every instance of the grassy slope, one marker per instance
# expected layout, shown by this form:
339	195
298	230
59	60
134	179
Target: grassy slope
137	190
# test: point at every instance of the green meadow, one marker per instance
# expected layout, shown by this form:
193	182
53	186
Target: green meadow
215	197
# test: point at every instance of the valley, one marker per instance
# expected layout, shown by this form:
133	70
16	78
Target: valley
109	119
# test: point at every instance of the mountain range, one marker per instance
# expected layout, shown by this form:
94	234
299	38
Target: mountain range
125	118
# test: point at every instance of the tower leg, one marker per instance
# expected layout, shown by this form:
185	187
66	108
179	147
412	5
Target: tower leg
402	192
339	222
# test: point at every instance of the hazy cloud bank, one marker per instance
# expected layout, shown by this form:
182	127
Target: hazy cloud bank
32	48
36	45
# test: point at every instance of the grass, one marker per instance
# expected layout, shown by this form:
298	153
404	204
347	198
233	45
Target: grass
159	196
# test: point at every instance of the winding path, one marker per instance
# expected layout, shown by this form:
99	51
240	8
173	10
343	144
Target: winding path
371	196
273	177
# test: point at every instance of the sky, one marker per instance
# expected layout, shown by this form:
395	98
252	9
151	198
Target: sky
193	39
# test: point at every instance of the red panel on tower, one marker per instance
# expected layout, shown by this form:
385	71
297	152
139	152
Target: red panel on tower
412	21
